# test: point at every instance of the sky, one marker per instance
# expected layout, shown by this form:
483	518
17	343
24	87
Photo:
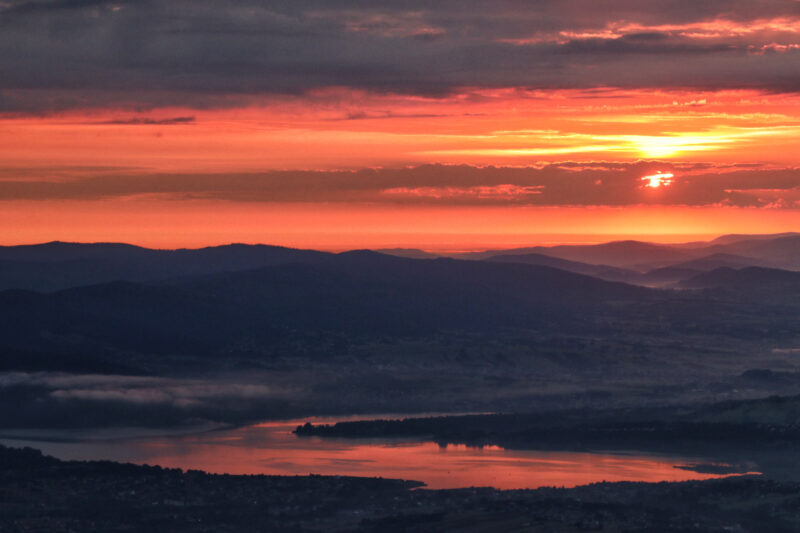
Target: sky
447	125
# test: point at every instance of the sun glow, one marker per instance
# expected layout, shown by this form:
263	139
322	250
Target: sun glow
190	177
659	179
668	146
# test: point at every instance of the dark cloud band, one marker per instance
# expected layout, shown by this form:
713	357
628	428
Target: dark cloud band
91	53
557	184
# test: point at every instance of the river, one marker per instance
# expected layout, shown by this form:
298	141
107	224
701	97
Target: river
272	448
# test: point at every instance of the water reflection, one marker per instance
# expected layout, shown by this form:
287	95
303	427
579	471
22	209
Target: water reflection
271	448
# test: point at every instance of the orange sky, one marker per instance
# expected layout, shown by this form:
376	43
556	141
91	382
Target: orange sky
342	129
163	224
440	125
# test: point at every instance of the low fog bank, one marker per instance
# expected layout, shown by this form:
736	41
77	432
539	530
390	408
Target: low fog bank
56	400
448	374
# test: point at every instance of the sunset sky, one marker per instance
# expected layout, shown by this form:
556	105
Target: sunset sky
442	125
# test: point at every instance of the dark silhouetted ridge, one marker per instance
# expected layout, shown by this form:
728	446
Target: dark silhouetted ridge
744	279
605	272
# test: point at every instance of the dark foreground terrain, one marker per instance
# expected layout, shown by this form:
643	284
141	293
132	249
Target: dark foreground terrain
39	493
622	346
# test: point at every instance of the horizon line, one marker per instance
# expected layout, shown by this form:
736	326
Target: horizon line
575	240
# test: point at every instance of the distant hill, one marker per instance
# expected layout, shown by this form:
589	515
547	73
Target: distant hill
58	251
779	250
734	238
318	305
411	253
747	280
605	272
782	252
719	260
668	276
688	269
59	265
635	255
364	290
360	294
632	254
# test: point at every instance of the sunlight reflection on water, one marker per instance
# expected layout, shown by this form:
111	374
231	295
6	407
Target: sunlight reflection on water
272	448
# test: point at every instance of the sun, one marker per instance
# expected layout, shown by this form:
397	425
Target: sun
659	179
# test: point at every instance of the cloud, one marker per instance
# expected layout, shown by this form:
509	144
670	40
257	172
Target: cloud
505	191
555	184
208	53
149	121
